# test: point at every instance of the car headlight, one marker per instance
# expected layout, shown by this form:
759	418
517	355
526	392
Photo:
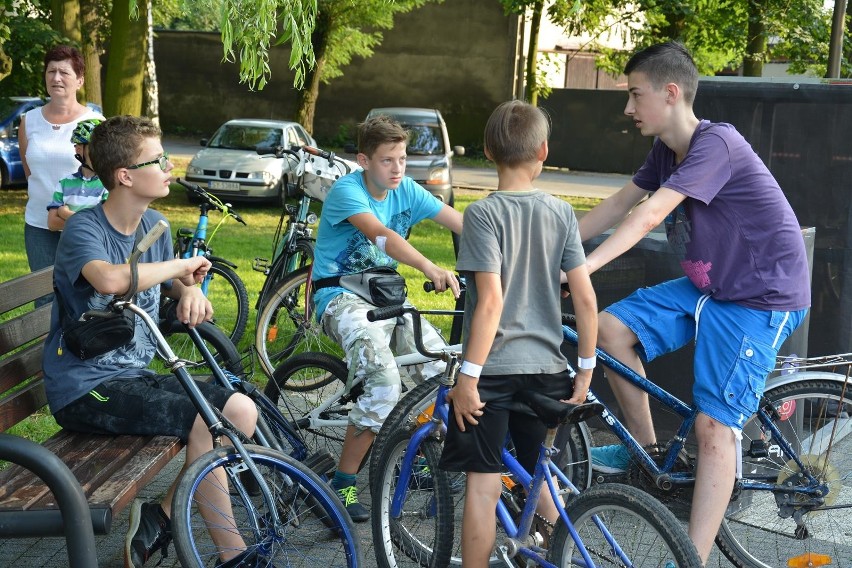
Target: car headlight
267	177
194	170
438	176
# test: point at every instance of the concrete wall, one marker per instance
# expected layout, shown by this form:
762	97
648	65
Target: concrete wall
457	56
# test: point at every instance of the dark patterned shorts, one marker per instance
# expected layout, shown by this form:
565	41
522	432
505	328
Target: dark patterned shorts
143	406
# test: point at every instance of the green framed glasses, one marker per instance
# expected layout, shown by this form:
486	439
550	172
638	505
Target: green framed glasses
162	161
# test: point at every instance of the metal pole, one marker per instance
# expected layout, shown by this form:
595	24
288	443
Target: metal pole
835	48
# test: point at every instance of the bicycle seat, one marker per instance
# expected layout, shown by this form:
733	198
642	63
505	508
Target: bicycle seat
553	412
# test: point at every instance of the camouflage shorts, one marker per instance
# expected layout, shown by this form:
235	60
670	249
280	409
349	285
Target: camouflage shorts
370	349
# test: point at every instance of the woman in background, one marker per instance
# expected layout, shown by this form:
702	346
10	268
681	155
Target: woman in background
46	155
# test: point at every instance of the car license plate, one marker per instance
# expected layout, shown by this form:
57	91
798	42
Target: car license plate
227	185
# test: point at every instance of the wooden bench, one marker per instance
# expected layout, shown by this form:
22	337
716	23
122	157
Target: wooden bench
110	469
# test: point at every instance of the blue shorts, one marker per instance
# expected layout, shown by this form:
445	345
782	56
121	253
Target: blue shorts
735	346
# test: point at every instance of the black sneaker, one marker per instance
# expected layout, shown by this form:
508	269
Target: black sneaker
357	511
150	531
247	559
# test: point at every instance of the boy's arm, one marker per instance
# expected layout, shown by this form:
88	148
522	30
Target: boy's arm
449	218
193	306
399	249
610	211
639	223
483	328
55	220
108	278
586	310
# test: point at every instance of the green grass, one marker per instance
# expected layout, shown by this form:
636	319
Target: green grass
240	245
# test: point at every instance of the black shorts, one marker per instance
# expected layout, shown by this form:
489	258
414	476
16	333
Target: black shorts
478	448
142	406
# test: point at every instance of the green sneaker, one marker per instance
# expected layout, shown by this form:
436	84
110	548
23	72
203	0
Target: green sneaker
349	496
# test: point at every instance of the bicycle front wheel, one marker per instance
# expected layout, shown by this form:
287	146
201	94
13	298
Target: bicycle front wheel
227	292
286	326
771	528
422	535
218	508
612	518
217	342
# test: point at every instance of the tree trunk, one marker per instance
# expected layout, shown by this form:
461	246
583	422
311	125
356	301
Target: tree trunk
151	93
531	90
308	96
756	47
91	51
126	62
835	46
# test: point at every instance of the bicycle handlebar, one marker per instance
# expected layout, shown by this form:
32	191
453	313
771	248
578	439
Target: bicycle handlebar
429	286
389	312
202	194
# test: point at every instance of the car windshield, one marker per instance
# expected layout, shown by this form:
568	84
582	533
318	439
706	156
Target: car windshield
237	137
424	140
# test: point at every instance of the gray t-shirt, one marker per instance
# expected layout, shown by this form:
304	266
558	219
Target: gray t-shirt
528	238
88	236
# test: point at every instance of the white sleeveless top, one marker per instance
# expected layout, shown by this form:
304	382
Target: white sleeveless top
50	157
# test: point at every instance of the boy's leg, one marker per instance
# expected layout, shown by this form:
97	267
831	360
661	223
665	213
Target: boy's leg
479	525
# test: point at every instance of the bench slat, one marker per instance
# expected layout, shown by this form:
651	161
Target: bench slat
24	289
21	404
23	329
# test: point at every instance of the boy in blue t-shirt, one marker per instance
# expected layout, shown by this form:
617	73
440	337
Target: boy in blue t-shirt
83	188
363	225
747	279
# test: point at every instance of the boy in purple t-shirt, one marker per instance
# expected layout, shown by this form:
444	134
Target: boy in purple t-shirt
746	271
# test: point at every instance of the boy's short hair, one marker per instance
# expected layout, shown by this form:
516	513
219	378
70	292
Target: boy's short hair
515	132
66	53
665	63
378	130
116	143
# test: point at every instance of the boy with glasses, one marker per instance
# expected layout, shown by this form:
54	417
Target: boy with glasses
115	393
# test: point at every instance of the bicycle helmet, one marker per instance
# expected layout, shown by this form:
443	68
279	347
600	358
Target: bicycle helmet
83	130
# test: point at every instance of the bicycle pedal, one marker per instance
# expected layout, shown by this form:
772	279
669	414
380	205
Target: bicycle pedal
322	463
598	477
260	264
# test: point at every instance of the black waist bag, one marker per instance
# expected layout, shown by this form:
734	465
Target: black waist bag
382	286
99	334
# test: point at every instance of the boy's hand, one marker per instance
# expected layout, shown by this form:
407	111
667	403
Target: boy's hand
582	381
193	307
195	269
465	398
443	279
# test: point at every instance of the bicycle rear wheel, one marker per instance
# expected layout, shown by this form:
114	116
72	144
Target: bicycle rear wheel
423	534
286	326
314	530
647	533
313	368
760	527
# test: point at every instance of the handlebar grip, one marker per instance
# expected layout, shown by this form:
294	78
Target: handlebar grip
428	286
317	152
151	237
387	312
190	186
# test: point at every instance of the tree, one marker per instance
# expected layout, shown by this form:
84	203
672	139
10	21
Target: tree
126	59
343	30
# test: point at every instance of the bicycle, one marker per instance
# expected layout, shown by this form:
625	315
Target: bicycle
413	509
285	322
222	285
791	505
279	506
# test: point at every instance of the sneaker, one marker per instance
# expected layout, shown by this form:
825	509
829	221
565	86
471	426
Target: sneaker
247	559
610	459
149	532
349	496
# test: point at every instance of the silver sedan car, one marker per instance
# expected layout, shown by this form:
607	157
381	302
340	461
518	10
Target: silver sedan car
230	167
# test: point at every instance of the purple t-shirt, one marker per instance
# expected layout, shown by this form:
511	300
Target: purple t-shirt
736	232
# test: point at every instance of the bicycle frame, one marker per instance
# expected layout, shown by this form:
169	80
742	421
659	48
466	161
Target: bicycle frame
663	475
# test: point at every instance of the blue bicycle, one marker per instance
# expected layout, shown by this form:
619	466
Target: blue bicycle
414	513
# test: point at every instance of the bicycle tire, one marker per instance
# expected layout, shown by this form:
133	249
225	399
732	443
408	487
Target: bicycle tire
754	534
221	347
285	327
648	533
302	255
424	532
316	532
297	403
227	292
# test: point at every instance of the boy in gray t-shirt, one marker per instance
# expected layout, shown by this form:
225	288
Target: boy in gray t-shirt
516	247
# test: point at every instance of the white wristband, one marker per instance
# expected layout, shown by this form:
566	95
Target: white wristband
470	369
587	362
